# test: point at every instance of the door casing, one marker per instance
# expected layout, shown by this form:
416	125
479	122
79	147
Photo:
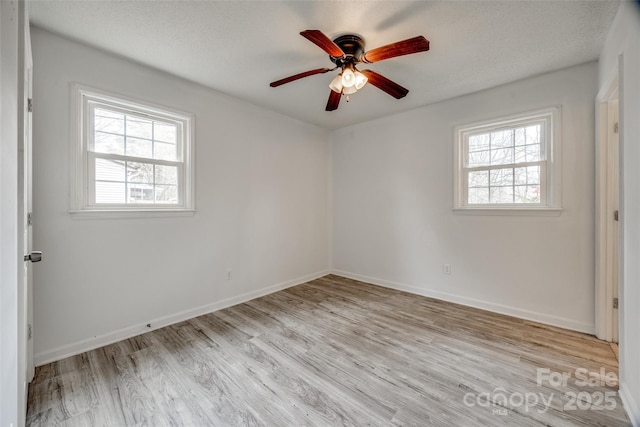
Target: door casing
608	181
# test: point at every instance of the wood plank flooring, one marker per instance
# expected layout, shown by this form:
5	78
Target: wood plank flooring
335	352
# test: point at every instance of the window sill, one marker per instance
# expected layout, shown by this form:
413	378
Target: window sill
133	214
508	211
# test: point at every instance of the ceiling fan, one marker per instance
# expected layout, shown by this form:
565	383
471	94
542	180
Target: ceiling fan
348	50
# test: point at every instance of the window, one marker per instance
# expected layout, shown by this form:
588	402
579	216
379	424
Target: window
511	164
130	157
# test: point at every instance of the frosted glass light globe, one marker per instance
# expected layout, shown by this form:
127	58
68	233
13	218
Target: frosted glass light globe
360	79
349	90
348	78
336	84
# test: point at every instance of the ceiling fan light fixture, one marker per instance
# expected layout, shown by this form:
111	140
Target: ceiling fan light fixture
349	90
348	77
360	80
336	84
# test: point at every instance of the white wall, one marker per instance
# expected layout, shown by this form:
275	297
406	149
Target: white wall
261	194
624	40
393	197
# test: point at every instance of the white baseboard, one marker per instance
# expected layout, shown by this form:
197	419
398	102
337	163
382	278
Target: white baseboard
548	319
68	350
630	405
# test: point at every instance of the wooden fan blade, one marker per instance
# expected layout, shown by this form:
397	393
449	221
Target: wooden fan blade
299	76
334	100
325	43
404	47
386	85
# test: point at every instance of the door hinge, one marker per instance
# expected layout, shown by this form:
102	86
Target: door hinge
615	303
30	105
616	215
29	218
29	332
615	127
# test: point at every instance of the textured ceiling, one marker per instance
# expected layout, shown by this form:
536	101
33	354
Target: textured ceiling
239	47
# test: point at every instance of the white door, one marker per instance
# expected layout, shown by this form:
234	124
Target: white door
26	211
614	171
612	214
608	251
28	220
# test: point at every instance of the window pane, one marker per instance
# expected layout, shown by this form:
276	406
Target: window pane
479	142
110	192
138	127
165	132
139	172
533	175
479	158
502	156
501	195
519	136
527	176
108	121
166	194
108	143
100	112
479	179
140	193
502	139
532	134
532	153
520	154
478	196
166	175
109	170
520	176
164	151
139	148
501	177
527	194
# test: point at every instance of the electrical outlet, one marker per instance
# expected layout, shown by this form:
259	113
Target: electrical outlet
446	268
229	274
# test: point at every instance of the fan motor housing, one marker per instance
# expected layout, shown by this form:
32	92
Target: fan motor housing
352	45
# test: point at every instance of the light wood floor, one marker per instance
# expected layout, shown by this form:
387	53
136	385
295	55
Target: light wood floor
332	352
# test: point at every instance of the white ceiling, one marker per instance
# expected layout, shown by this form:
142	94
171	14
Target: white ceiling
239	47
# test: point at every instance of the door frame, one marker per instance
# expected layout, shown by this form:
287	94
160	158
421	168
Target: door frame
608	171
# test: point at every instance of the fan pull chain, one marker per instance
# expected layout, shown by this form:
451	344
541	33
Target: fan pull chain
347	98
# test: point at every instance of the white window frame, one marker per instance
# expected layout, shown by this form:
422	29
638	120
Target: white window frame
83	204
551	166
